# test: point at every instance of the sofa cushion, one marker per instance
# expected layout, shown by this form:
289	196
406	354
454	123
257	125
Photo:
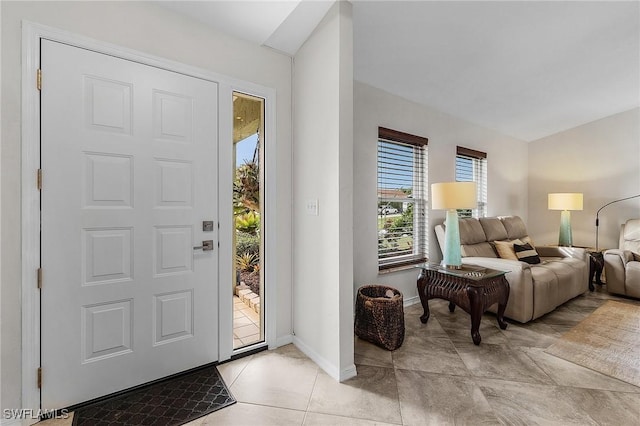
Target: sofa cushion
477	250
471	231
515	227
505	249
493	228
526	253
545	290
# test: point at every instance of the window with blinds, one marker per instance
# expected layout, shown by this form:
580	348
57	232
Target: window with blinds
402	199
471	166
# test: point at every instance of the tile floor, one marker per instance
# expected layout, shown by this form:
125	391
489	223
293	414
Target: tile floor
437	377
246	324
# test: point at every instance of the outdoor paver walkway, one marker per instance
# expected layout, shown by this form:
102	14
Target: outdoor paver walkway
246	324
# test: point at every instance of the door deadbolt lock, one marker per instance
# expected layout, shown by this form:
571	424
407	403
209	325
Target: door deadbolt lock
206	246
207	225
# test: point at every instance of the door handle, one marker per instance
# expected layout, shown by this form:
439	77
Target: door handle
206	246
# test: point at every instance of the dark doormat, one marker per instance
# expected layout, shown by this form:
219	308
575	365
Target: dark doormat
174	401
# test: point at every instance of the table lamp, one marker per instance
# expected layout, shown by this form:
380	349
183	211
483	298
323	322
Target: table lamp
565	202
451	196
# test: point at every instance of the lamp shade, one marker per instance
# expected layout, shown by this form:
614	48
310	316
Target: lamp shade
565	201
453	195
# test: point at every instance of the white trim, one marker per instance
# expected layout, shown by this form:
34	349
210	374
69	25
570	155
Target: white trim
329	368
225	218
31	35
411	301
283	340
348	372
30	216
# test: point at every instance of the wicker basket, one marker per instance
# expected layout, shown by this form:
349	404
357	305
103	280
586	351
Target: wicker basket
380	319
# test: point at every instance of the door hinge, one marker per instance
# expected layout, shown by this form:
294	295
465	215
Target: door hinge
39	277
39	377
39	180
39	79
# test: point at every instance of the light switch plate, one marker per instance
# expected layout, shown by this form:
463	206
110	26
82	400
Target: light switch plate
312	207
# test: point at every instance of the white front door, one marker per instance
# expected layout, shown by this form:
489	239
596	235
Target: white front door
129	176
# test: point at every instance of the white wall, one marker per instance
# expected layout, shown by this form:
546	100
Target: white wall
322	161
151	29
507	172
601	159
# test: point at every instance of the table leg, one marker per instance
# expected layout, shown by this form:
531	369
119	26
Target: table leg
475	303
422	284
599	261
502	304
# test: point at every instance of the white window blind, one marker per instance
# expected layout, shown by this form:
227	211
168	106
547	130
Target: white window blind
471	166
402	193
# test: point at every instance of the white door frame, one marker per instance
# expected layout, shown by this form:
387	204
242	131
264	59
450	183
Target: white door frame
30	226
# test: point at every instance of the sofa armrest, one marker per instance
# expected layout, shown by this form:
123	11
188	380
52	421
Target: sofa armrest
615	261
555	251
500	264
624	256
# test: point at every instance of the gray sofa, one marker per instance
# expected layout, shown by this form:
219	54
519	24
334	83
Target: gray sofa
534	289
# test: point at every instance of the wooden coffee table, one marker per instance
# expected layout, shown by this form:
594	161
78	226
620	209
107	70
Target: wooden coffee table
474	289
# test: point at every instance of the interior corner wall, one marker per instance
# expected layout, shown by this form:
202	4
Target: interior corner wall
601	159
507	160
322	162
146	27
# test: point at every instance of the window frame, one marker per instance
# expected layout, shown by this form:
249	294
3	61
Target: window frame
420	225
479	175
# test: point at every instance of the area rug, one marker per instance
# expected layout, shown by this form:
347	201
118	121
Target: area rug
174	401
607	341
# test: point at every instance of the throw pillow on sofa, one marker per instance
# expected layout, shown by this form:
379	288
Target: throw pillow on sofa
526	253
505	249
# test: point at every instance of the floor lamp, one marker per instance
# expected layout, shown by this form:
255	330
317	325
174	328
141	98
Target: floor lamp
451	196
565	202
598	214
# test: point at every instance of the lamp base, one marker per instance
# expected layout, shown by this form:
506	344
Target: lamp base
565	239
451	256
456	267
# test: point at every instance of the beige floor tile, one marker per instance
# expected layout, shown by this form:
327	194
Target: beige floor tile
503	362
371	395
241	414
58	422
232	369
566	373
458	328
278	378
366	353
431	355
608	408
317	419
532	404
532	334
437	399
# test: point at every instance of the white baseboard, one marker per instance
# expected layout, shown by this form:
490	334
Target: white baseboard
283	340
348	373
411	301
328	367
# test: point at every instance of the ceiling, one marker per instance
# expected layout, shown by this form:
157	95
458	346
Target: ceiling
526	69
